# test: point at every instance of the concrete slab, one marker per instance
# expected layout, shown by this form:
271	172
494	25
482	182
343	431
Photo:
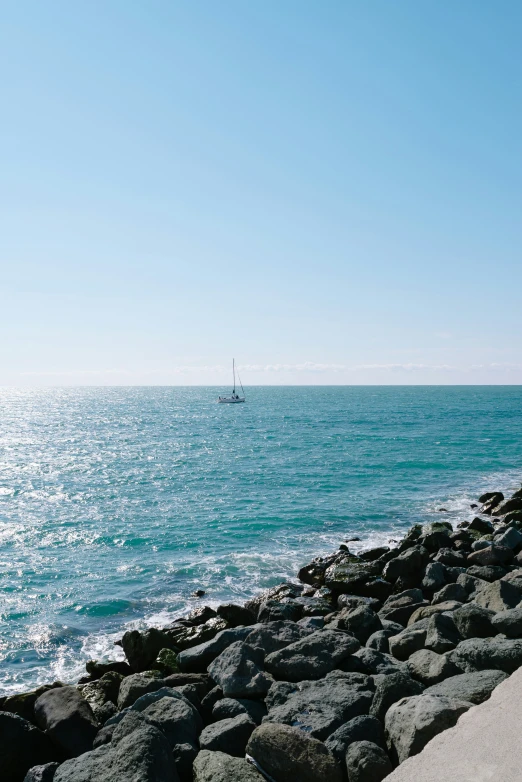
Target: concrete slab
484	745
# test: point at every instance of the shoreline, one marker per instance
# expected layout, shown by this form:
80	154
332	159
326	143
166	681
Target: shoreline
347	653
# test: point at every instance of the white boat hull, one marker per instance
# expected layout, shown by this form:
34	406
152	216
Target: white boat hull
227	400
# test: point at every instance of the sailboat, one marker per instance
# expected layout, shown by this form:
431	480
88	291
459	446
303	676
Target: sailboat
234	399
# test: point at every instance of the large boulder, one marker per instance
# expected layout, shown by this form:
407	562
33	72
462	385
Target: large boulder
487	572
172	713
23	703
22	746
220	767
426	611
320	707
491	555
430	668
372	662
408	564
412	722
410	640
434	577
185	636
473	621
508	506
43	773
399	608
363	728
348	575
474	687
142	648
198	658
102	691
511	538
235	615
311	657
367	762
229	735
508	622
67	718
441	633
286	610
285	753
138	751
389	688
136	685
273	636
239	671
231	707
360	622
480	654
498	596
450	592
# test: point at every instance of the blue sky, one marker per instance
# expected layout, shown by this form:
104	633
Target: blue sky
329	191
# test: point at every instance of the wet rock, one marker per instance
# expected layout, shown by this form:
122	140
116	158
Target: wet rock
288	753
355	601
102	691
474	687
220	767
430	668
412	722
407	642
491	497
138	751
235	615
229	735
320	707
434	577
483	526
22	746
476	654
373	553
390	688
276	635
67	719
364	728
166	662
450	592
23	703
276	611
399	608
198	658
345	576
311	657
508	506
239	671
473	621
43	773
96	669
408	564
366	762
498	596
508	622
486	572
441	634
424	612
278	593
136	685
141	649
313	573
361	622
183	637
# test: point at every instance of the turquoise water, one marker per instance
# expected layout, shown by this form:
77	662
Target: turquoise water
115	504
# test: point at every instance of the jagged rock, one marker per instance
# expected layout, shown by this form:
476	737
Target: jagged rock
508	622
354	601
239	671
441	634
366	762
229	735
370	662
407	564
273	636
514	517
220	767
311	657
320	707
198	658
102	691
430	668
67	719
487	572
22	746
311	623
498	596
172	713
434	577
408	641
138	751
360	622
450	592
515	503
231	707
424	612
491	556
43	773
453	573
511	538
201	615
474	687
373	553
136	685
377	588
483	526
279	592
363	728
379	641
447	556
288	753
412	722
313	573
473	621
389	688
141	649
345	576
235	615
399	608
491	497
184	637
280	611
470	583
23	703
476	654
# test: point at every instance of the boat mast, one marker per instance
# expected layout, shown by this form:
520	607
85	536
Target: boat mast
234	373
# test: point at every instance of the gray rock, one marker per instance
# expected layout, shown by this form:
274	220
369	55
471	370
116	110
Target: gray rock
136	685
361	622
276	635
344	576
226	708
508	622
481	525
286	753
355	601
407	564
230	735
235	615
430	668
138	751
486	572
441	633
450	558
370	662
320	707
498	596
399	608
22	746
142	648
175	716
22	703
412	722
67	718
434	577
426	611
185	637
364	728
474	687
473	621
389	688
219	767
184	756
198	658
379	641
366	762
409	641
470	583
480	654
311	623
491	556
103	690
450	592
238	671
43	773
511	538
311	657
507	506
286	610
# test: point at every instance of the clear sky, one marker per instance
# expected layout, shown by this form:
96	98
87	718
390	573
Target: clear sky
330	191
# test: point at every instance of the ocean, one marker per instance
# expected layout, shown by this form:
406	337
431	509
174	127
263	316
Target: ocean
117	503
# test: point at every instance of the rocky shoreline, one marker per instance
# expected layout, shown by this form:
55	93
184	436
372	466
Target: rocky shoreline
338	678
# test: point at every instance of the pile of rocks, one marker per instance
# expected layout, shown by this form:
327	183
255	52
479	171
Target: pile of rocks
337	678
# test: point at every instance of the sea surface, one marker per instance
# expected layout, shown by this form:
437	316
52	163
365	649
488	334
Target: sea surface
117	503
